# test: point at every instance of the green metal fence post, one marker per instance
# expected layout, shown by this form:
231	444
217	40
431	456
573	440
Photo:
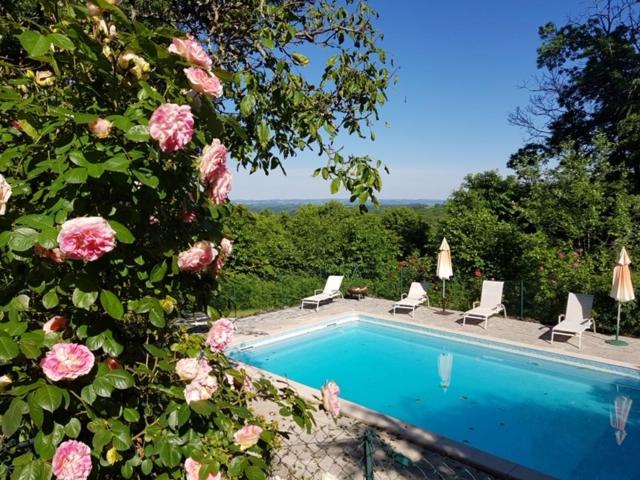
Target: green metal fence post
521	299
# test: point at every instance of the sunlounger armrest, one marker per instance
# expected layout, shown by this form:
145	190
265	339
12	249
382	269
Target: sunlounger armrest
403	296
317	291
560	317
476	303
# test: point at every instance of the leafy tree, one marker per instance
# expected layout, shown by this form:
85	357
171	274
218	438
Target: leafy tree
411	229
587	88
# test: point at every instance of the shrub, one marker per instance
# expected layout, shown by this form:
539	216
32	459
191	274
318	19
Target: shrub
110	231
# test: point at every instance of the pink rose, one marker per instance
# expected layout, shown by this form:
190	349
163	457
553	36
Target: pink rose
100	127
226	247
200	389
189	216
66	361
72	461
192	467
203	82
191	51
172	126
153	220
5	193
247	436
191	368
330	400
220	187
54	324
213	161
86	238
197	257
220	335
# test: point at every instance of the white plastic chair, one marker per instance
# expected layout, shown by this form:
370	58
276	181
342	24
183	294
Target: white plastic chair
490	303
330	291
410	301
576	319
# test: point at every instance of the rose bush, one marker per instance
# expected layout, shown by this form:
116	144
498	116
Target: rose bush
113	196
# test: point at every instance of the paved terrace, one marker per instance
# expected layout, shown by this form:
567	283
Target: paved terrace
338	447
513	330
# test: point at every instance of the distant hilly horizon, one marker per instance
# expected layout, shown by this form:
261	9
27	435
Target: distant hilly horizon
278	204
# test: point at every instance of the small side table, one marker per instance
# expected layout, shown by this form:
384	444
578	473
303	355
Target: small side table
358	292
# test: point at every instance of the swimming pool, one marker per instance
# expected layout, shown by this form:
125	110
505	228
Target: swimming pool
565	417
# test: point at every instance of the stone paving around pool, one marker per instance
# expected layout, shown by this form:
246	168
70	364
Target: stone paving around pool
337	447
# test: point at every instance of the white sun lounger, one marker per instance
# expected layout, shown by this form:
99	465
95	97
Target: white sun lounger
331	290
410	301
576	319
490	303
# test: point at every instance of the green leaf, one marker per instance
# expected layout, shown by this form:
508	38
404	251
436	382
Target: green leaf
300	59
37	221
50	299
34	470
88	394
255	473
73	428
126	470
82	299
60	41
156	317
49	397
76	175
158	272
247	104
119	163
146	466
31	344
100	439
118	378
147	179
84	118
22	239
43	445
34	43
111	304
335	185
35	412
131	415
8	348
138	133
122	233
264	134
12	418
237	466
223	74
169	454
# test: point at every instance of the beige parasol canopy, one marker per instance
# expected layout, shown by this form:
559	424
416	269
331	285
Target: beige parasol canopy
444	270
621	290
621	287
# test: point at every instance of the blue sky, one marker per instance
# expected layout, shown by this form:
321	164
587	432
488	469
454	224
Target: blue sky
461	66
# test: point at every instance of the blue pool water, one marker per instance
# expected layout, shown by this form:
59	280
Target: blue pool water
546	415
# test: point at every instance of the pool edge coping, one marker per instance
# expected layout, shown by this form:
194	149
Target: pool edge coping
317	321
466	454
